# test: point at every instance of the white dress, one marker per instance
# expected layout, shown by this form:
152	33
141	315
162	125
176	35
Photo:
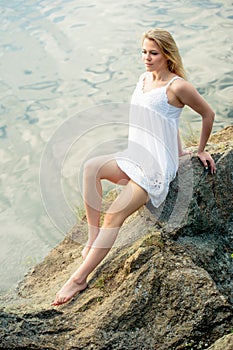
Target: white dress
151	159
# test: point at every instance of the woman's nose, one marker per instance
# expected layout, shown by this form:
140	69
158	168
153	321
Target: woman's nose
148	56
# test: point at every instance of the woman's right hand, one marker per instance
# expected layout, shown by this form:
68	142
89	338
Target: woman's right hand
206	158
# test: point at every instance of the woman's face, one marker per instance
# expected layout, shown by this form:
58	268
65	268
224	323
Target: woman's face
152	56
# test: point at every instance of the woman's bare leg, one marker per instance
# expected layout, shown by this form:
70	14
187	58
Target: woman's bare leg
129	200
97	169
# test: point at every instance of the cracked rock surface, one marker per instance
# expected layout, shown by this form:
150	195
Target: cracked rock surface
166	285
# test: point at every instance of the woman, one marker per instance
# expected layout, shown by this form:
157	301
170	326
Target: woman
150	162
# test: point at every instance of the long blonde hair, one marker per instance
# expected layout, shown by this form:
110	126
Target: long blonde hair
168	48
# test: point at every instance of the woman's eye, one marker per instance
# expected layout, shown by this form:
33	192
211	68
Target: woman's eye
152	52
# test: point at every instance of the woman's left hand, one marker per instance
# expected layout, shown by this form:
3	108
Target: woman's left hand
206	158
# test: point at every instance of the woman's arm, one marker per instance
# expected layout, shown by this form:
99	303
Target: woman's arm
188	95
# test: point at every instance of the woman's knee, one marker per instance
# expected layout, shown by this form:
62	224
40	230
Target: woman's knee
91	167
102	167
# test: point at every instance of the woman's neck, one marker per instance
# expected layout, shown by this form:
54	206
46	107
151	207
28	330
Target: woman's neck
164	75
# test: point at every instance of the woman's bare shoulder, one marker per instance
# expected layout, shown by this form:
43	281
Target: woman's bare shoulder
182	85
184	89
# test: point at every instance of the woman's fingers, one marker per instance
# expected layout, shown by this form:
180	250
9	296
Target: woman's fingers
207	161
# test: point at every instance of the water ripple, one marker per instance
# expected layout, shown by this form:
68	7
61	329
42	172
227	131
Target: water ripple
53	85
3	133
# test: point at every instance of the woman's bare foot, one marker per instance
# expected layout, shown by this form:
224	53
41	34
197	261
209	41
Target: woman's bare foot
68	291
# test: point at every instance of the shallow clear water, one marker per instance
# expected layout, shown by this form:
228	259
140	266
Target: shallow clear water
62	57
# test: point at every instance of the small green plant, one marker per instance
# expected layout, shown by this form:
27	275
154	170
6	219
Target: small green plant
99	283
192	136
99	299
90	303
154	239
103	279
80	212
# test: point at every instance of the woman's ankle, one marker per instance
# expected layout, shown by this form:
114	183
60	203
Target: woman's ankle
78	279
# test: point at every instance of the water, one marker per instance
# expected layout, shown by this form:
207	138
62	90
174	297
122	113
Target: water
59	58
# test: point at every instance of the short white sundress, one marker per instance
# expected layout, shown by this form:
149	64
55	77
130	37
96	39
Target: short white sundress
151	159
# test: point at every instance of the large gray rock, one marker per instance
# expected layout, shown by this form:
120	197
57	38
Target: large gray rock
224	343
169	287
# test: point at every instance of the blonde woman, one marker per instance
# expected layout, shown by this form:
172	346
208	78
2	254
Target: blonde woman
150	162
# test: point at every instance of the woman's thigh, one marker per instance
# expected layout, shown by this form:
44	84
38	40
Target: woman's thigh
106	168
130	199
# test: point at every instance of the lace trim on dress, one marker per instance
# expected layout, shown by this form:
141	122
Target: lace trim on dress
143	77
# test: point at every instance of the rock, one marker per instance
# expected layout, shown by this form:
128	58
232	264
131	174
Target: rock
166	285
224	343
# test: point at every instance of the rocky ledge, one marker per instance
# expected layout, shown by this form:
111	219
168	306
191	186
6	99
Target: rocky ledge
166	285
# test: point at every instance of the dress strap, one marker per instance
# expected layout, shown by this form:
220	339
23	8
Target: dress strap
171	81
